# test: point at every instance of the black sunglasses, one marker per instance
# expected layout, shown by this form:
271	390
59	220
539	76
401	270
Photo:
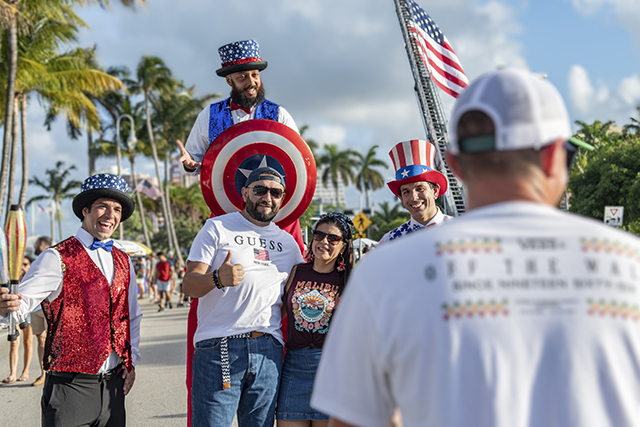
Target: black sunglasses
261	190
334	239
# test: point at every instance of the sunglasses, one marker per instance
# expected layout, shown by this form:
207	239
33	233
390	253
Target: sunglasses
261	190
334	239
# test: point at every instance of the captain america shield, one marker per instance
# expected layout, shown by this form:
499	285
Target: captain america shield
251	144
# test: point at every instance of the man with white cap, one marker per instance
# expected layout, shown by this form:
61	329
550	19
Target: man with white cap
238	265
515	314
418	184
87	288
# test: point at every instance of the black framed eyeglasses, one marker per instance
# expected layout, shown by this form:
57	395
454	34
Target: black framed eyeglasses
261	190
334	239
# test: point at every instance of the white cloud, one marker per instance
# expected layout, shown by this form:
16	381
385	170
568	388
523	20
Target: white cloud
581	91
590	102
327	134
627	13
487	39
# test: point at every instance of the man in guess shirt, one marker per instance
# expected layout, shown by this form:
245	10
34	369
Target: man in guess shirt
238	265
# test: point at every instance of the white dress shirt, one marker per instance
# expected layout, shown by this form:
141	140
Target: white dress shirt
44	281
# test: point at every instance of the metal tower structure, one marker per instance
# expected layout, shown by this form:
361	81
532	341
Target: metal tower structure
432	114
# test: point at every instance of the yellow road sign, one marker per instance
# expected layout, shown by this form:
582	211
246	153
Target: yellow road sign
361	235
361	222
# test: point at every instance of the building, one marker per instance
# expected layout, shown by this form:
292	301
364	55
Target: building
327	195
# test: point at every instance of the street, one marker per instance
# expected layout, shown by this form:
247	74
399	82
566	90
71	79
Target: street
159	395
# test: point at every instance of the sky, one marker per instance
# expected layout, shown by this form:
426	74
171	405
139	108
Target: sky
341	68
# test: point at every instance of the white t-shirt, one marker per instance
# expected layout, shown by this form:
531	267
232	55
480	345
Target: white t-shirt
266	254
513	315
198	140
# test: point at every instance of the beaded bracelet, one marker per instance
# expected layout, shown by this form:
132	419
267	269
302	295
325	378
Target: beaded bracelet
216	279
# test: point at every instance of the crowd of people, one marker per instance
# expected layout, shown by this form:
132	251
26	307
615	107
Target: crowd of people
512	315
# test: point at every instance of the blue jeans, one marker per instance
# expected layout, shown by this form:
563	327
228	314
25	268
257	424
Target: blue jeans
255	365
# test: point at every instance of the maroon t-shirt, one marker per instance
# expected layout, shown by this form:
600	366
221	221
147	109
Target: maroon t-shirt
164	271
310	303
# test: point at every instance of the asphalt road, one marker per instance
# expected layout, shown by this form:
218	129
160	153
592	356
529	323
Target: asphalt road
158	397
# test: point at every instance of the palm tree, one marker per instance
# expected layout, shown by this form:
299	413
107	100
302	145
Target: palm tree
189	202
117	105
368	177
58	187
389	214
15	16
633	127
595	134
63	82
338	165
173	118
313	145
155	80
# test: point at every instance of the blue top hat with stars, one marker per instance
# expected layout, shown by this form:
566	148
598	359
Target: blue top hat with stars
104	185
240	56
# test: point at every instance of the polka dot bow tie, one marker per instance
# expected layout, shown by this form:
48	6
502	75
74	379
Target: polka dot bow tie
107	246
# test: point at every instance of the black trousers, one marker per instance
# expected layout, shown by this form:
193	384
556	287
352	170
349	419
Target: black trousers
75	400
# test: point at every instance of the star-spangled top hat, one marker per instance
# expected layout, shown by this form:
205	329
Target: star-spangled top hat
240	56
104	185
414	161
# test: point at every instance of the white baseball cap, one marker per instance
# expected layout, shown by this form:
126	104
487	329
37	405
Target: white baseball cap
527	112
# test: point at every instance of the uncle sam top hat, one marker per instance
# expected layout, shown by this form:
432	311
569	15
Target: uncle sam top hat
413	161
104	185
240	56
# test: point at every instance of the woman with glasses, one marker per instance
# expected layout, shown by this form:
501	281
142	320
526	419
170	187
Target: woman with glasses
310	298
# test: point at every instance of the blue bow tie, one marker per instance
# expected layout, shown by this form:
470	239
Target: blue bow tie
107	246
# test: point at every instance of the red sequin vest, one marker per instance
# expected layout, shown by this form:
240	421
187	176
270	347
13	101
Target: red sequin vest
90	318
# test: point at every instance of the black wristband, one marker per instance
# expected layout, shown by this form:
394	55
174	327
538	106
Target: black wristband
216	279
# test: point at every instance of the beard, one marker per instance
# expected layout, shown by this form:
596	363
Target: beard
252	210
239	98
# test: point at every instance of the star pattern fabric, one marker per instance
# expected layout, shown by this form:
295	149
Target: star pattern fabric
239	50
105	180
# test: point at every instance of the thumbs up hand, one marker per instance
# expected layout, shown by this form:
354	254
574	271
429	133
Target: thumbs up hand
230	274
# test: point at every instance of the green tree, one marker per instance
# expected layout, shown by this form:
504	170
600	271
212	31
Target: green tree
337	165
154	80
610	178
387	218
368	177
57	187
16	16
118	104
189	202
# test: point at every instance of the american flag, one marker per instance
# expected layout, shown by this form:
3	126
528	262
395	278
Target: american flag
261	254
148	189
435	51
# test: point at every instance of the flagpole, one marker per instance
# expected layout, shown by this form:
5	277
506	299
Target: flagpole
433	117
